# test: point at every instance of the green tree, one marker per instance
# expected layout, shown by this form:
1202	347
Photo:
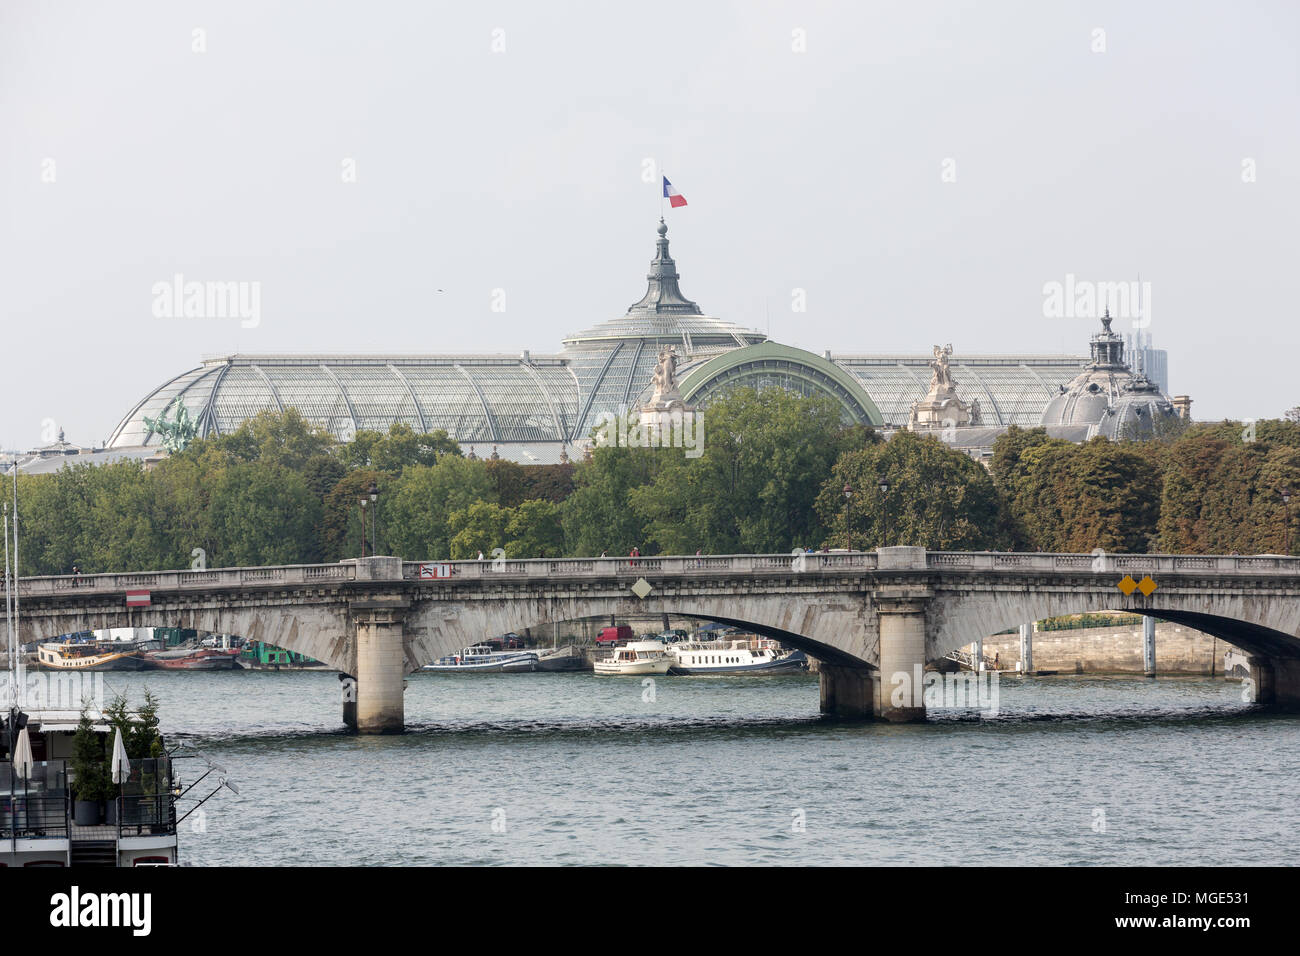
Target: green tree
766	455
480	527
415	513
938	498
263	514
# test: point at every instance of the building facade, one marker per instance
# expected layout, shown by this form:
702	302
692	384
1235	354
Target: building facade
536	408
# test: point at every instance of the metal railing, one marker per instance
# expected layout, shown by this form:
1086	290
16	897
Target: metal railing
37	806
145	804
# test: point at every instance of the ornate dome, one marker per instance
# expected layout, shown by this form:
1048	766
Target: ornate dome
1108	396
664	313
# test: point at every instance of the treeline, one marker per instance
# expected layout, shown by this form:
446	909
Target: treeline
772	477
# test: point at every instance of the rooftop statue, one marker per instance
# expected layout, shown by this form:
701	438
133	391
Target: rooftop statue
179	432
665	391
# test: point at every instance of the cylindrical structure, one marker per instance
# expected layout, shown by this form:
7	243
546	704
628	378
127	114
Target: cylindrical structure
381	667
977	663
1027	647
1148	645
902	660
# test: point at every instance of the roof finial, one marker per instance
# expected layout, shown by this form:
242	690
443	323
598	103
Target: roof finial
663	227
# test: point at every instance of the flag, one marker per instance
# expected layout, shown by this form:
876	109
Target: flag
674	198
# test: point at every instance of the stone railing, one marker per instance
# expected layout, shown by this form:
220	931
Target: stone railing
217	578
383	569
1113	563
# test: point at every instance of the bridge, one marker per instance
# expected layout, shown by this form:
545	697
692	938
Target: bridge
873	619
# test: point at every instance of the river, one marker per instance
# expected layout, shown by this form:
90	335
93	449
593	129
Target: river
574	768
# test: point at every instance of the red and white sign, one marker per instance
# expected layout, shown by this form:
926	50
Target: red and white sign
137	598
428	571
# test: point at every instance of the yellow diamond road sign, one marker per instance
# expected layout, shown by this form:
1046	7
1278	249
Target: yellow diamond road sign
1128	585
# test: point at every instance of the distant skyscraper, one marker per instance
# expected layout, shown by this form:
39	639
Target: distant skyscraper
1152	361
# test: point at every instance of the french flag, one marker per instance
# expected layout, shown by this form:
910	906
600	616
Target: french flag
674	198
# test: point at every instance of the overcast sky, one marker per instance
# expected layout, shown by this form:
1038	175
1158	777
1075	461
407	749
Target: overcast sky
920	170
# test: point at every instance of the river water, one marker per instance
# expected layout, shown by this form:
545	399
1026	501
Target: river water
574	768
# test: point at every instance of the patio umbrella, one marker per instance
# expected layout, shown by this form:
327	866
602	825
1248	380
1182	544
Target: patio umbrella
23	755
121	767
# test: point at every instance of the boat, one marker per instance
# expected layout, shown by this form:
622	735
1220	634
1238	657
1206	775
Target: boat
565	658
737	656
635	658
92	656
194	659
483	659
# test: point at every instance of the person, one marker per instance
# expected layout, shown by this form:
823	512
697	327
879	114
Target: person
480	556
635	553
997	661
604	552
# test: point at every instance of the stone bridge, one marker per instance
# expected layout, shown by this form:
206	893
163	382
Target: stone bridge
873	619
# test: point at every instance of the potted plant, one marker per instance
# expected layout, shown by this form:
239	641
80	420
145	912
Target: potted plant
88	776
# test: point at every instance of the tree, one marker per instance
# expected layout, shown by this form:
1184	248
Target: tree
416	511
480	527
938	498
402	447
263	514
535	530
765	457
596	517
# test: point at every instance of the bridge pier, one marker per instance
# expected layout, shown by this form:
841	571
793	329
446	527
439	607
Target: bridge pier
901	696
848	691
1277	682
1148	645
1027	647
381	666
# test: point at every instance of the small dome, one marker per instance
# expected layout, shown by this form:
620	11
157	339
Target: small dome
1110	397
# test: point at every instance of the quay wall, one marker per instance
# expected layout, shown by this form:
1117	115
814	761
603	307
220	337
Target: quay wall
1116	650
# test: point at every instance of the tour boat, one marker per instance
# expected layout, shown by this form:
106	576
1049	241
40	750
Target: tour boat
92	656
636	658
482	659
745	656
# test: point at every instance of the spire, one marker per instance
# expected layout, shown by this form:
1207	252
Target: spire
662	295
1107	347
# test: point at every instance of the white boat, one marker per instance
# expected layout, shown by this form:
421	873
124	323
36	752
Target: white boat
743	656
636	658
483	659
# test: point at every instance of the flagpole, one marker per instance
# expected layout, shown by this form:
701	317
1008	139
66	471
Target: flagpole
662	188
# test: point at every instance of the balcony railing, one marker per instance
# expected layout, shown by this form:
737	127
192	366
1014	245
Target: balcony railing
37	806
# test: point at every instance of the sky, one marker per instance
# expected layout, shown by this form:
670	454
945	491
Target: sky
411	177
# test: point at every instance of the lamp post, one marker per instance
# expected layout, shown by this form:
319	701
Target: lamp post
848	532
884	505
374	518
364	501
1286	520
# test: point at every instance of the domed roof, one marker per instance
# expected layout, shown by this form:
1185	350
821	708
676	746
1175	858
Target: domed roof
1110	397
663	312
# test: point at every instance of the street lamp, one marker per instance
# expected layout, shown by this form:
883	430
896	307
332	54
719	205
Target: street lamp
364	501
1286	520
374	517
884	504
848	533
